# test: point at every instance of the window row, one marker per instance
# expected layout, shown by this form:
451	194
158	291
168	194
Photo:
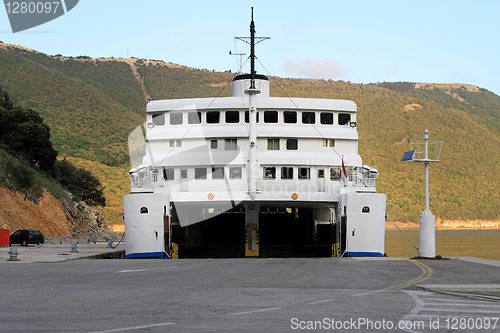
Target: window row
218	172
293	144
302	173
201	173
229	144
270	117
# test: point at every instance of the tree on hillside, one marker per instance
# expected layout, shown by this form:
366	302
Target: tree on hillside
25	134
81	183
5	101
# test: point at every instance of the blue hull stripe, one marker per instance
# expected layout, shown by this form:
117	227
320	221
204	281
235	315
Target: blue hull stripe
158	255
363	254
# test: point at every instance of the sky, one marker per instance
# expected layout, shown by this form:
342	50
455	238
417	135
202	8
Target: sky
358	41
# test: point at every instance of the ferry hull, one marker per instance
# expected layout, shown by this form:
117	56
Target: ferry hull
364	216
145	226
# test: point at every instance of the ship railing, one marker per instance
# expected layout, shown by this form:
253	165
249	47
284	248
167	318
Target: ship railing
359	180
82	237
145	180
267	185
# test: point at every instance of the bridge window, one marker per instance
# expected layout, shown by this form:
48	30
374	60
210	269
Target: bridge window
159	119
176	118
232	117
168	174
328	143
270	116
290	117
344	118
292	144
200	173
175	143
184	174
286	173
304	173
214	144
334	173
235	172
218	173
308	118
194	117
247	117
273	144
270	173
326	118
321	174
213	117
231	144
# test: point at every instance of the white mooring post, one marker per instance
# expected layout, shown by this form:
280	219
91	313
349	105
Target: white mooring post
427	221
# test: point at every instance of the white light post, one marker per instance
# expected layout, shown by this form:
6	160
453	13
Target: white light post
427	221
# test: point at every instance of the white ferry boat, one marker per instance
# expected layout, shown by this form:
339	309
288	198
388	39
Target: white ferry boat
253	170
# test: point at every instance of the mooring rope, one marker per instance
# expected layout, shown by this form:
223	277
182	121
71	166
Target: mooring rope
416	248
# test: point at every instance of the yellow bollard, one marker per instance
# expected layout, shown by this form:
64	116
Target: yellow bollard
174	253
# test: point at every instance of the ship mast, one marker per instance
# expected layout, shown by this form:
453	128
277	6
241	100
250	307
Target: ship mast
252	121
252	91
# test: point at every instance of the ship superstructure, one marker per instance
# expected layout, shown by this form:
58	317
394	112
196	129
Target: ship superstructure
218	164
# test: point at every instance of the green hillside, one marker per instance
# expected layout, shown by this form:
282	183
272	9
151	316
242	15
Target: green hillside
91	107
86	119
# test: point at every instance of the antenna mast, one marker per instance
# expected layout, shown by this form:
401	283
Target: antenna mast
240	67
252	53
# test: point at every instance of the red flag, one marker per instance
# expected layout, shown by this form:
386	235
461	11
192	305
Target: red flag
343	169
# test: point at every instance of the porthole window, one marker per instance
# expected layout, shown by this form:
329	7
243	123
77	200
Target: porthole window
304	173
270	116
218	173
344	118
270	173
286	173
289	117
168	174
176	118
232	117
213	117
200	173
273	144
247	120
231	144
235	172
326	118
334	173
308	118
292	144
194	117
159	119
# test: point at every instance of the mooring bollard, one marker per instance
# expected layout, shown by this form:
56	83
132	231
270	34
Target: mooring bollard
13	254
110	243
73	248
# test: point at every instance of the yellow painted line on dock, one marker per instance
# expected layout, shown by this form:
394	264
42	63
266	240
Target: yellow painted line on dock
427	273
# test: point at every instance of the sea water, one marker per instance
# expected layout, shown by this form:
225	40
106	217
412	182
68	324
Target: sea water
480	243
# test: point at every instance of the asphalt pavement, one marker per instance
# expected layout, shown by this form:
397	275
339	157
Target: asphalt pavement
44	293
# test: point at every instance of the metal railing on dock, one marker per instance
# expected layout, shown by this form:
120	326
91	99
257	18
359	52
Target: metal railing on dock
83	237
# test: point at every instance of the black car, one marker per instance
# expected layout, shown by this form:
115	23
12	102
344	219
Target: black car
25	237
